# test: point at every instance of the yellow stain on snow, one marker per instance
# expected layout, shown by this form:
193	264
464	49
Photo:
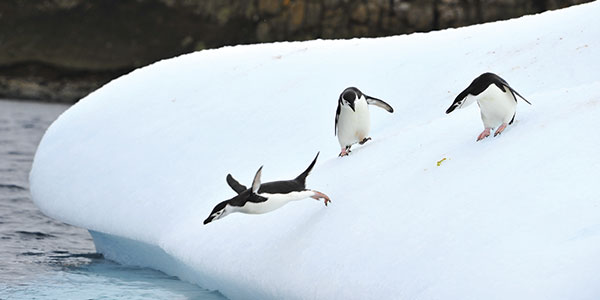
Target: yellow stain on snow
439	163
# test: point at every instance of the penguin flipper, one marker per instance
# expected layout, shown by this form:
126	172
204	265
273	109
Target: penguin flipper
235	185
502	83
515	92
256	182
337	116
379	102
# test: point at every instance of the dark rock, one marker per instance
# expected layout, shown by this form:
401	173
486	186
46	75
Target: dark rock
421	17
61	50
263	32
268	6
313	14
359	13
296	18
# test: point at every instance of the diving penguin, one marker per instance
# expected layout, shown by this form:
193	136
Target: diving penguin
496	99
265	197
352	119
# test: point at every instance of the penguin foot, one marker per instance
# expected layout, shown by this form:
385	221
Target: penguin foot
318	195
365	140
500	129
484	134
345	152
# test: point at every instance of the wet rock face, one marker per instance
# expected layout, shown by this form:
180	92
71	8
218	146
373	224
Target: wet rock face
60	50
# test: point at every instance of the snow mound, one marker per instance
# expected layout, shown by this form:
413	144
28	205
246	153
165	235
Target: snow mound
420	212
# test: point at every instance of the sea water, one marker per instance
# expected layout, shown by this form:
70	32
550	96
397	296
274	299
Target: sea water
41	258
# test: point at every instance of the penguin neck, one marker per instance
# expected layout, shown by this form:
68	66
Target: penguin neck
360	106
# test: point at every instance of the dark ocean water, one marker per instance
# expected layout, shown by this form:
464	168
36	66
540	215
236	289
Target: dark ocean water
41	258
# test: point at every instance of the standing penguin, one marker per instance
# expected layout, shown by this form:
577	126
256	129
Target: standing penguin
496	99
265	197
352	119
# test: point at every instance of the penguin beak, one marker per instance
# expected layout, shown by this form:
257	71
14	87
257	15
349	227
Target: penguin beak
211	218
351	104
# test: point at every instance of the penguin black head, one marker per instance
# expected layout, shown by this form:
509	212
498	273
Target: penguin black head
349	95
218	212
247	195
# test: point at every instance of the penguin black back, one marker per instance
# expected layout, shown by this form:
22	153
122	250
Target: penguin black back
287	186
282	186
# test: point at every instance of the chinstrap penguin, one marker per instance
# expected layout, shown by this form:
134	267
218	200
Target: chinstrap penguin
496	99
352	119
265	197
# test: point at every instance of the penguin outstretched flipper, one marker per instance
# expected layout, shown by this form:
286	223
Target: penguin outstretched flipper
256	181
379	103
235	185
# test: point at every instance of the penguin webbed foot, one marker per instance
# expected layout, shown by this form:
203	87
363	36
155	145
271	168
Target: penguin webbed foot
500	129
318	196
345	151
485	133
364	140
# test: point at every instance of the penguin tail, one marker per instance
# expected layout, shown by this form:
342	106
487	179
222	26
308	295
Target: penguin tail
302	177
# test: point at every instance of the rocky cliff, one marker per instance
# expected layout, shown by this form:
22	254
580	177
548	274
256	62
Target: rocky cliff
60	50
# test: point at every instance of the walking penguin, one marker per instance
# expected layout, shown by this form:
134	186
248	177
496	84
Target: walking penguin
352	119
265	197
496	99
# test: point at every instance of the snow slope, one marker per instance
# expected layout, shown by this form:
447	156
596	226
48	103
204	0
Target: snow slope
142	161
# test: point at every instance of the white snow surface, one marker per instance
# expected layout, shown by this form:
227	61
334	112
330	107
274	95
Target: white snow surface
517	216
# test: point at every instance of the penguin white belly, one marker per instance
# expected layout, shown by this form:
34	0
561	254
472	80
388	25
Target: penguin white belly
496	106
274	201
354	126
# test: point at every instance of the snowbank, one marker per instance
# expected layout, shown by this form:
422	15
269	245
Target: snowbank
142	161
